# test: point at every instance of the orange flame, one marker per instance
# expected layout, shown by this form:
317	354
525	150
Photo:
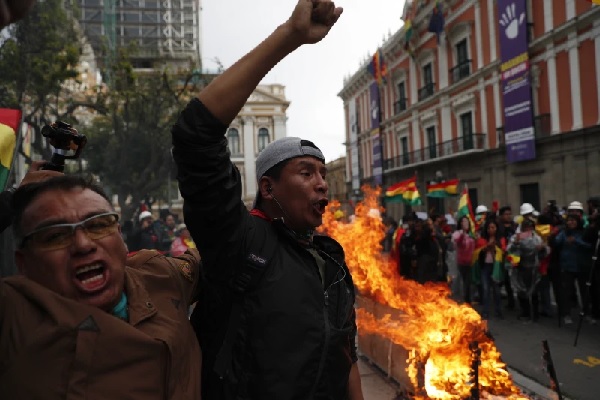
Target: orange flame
435	329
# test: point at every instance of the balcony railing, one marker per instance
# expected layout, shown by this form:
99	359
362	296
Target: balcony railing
400	105
542	125
450	148
461	71
426	91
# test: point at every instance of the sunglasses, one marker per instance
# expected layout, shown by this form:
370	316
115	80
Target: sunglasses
59	236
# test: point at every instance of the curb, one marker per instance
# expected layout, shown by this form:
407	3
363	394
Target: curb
533	388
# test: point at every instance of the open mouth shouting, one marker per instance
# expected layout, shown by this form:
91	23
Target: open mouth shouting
320	206
91	278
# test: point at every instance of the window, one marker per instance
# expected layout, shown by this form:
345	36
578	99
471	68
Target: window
436	205
400	105
530	193
263	139
463	64
233	137
432	142
428	74
428	84
466	124
462	55
405	156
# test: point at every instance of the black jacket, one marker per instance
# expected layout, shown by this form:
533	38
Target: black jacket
297	334
5	210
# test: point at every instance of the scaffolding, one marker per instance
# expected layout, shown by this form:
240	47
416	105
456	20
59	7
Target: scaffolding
162	31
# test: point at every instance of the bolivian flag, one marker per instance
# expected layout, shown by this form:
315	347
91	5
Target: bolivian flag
444	189
9	125
595	1
404	192
465	209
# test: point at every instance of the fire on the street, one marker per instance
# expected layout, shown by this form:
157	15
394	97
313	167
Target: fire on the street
435	329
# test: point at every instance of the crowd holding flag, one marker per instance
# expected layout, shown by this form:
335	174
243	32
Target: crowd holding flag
378	68
443	189
10	120
404	192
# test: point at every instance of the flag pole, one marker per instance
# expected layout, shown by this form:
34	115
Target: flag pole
18	143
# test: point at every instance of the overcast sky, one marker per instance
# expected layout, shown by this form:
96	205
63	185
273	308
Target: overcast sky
313	75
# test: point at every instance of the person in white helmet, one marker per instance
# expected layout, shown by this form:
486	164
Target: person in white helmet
145	236
526	211
576	208
480	215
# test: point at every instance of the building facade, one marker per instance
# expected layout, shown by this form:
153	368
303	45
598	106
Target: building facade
336	182
163	32
446	102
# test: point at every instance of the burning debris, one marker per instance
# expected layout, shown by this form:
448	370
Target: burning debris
439	334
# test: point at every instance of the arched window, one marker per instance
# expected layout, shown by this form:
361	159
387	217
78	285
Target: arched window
233	137
263	139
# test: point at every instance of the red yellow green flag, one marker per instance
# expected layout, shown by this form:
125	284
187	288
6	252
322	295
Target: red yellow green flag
465	209
444	189
9	125
595	1
404	192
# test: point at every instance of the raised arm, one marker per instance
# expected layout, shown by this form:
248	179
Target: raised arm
310	22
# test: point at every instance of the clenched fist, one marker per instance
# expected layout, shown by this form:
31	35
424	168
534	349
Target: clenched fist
13	10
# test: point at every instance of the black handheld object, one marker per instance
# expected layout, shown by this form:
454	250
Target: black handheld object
64	138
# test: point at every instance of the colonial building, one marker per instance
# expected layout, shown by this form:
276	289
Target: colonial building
262	120
336	181
506	99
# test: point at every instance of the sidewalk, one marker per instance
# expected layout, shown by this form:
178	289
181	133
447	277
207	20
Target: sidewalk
374	383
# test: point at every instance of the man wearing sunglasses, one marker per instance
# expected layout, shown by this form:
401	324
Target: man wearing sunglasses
82	318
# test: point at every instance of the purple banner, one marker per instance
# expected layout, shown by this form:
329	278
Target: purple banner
515	81
377	162
375	138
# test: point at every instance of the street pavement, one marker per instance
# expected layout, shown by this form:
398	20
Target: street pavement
577	368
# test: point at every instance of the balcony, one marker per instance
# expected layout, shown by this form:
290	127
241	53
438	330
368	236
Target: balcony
454	147
461	71
399	105
542	126
426	91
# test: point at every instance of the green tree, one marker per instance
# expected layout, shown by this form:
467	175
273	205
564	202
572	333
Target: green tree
129	147
39	56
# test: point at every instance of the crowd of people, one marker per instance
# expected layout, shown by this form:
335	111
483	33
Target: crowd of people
536	259
167	234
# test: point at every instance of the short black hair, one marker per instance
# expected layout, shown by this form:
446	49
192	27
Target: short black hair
25	195
504	209
275	173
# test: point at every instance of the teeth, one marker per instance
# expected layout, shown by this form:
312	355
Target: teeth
88	268
93	279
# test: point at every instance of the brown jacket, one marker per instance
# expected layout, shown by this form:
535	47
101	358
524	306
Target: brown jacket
55	348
